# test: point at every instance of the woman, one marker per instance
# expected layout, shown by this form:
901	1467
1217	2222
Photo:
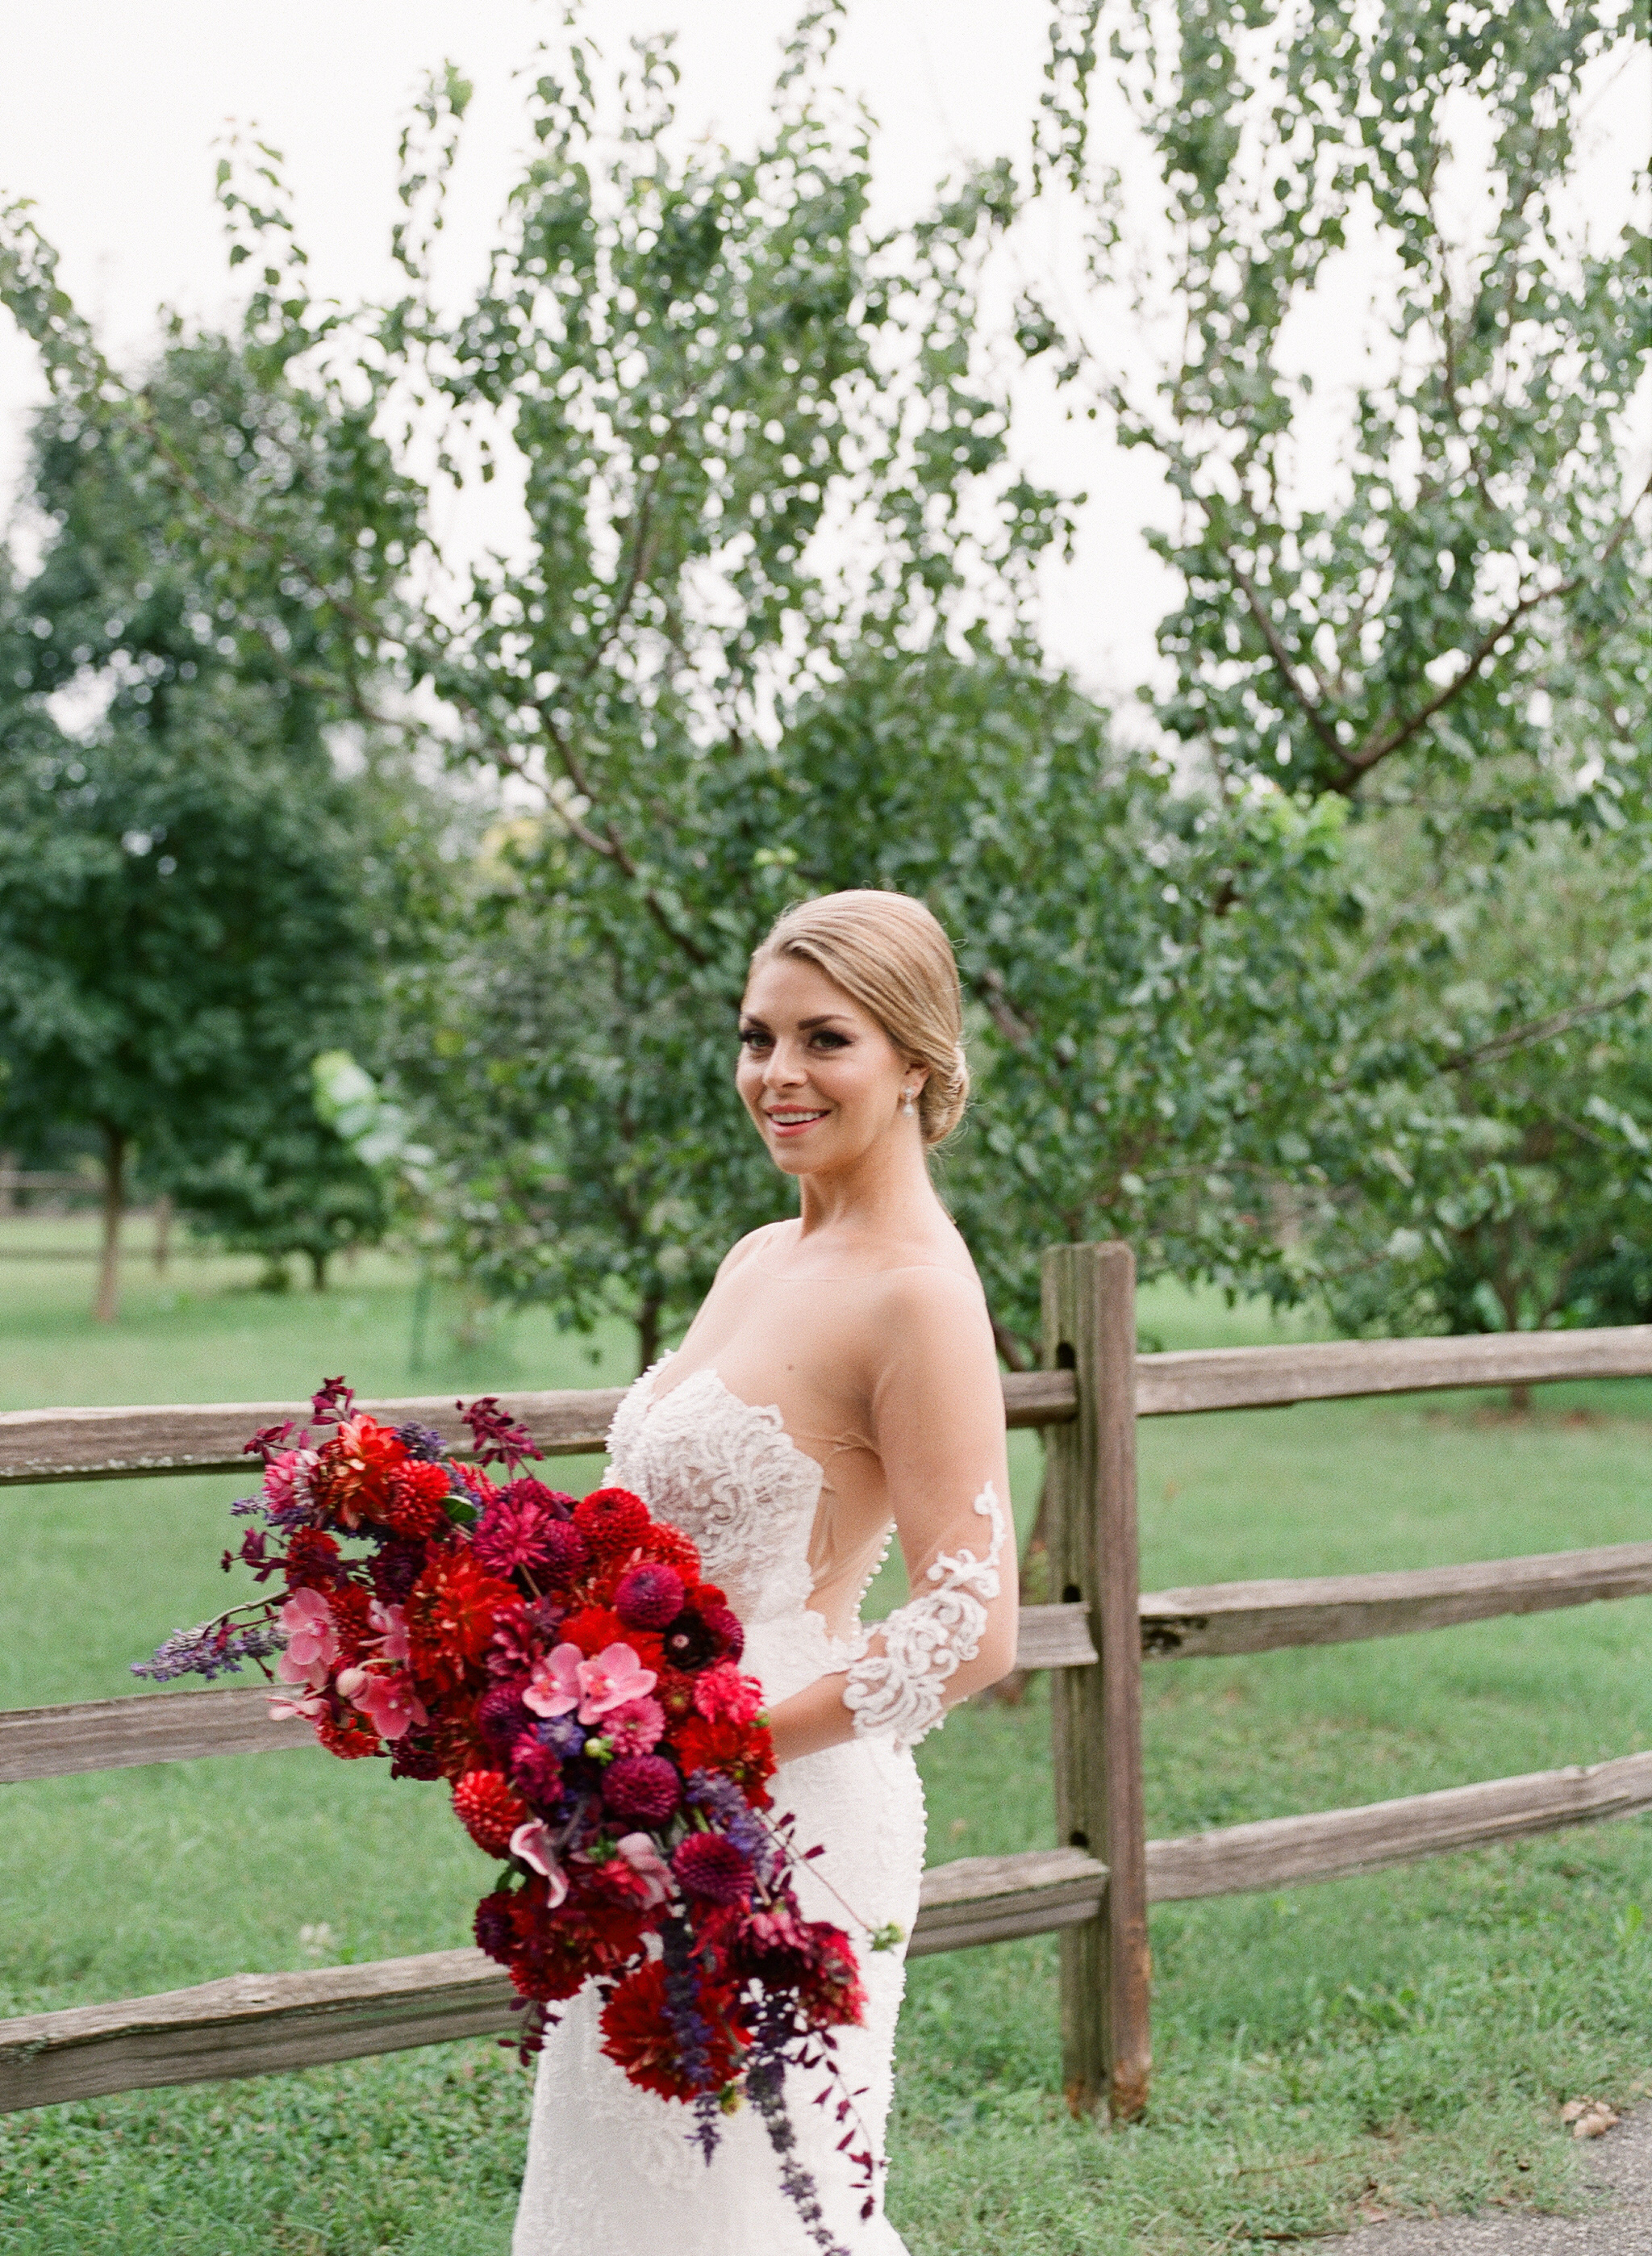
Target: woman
839	1381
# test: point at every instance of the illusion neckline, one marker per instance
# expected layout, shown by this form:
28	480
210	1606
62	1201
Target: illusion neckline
768	1414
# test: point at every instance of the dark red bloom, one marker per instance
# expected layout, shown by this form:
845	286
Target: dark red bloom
417	1504
643	1786
810	1958
743	1751
637	2035
690	1641
612	1521
567	1553
351	1608
727	1628
712	1868
414	1758
520	1528
452	1611
494	1929
496	1433
648	1597
502	1717
312	1562
395	1569
488	1811
536	1772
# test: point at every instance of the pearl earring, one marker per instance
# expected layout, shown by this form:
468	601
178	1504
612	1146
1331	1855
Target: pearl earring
907	1105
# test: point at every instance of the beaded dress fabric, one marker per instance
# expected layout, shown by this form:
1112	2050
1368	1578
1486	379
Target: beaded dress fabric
609	2166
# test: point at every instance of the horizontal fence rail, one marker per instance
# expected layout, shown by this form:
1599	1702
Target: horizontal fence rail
185	1726
128	1443
1223	1617
1216	1618
252	2024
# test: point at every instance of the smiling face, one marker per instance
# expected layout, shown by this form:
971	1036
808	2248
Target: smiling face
817	1074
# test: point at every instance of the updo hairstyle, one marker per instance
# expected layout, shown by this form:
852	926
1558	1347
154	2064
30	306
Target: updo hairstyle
889	952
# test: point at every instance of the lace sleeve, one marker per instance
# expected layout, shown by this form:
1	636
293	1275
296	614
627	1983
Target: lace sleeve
939	1428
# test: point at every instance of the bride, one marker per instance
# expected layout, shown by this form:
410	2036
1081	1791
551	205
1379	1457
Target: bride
839	1382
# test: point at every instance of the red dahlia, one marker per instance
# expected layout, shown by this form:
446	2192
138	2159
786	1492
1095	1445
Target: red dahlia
488	1811
348	1735
417	1504
351	1482
612	1521
312	1562
637	2034
648	1597
452	1611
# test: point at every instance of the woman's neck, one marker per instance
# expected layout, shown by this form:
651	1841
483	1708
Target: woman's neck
885	1194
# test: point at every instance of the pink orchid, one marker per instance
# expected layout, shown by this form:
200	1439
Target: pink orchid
311	1706
646	1862
391	1623
388	1701
566	1680
533	1845
636	1729
313	1644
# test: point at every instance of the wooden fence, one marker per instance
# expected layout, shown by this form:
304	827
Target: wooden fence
1095	1887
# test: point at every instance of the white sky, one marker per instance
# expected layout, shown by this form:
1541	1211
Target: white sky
107	114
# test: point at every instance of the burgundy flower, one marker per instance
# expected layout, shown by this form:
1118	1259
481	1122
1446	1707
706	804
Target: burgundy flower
566	1552
536	1772
501	1716
518	1529
648	1597
643	1786
712	1868
690	1641
726	1626
494	1929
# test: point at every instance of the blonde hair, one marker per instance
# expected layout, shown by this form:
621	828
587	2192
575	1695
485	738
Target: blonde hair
889	952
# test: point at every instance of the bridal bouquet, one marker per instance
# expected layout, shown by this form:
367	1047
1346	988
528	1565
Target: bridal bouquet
563	1666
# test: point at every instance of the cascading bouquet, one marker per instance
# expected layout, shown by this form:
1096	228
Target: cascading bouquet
564	1666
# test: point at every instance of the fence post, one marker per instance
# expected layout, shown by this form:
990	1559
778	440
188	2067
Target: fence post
1089	1328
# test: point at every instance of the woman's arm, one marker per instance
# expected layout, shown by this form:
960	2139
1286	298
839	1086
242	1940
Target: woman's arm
938	1425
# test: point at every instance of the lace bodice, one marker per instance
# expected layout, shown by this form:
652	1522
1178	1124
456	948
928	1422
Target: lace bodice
727	1472
731	1477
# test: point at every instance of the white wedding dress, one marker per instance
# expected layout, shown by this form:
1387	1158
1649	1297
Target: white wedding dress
610	2170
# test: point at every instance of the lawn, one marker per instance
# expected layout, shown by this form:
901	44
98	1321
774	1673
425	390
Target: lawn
1397	2042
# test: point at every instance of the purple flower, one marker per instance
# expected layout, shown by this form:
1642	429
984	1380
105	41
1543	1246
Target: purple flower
423	1442
643	1786
210	1649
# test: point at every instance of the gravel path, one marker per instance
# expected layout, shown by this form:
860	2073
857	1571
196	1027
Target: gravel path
1622	2161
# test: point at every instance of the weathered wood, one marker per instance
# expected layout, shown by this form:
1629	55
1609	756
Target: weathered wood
250	2024
130	1442
144	1728
1089	1328
253	2024
187	1726
1331	1844
1256	1378
1336	1609
992	1898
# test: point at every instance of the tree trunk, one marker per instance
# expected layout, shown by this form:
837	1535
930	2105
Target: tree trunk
109	1275
8	1195
163	1232
647	1324
318	1271
1520	1398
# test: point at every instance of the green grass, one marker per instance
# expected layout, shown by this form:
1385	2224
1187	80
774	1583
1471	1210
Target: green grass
1396	2043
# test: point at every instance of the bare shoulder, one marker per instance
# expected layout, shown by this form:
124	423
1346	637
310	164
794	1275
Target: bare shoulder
934	1301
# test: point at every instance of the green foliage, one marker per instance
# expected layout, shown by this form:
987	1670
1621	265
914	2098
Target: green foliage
1468	592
